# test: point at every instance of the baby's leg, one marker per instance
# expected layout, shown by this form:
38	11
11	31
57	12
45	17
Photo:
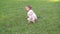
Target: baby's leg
33	20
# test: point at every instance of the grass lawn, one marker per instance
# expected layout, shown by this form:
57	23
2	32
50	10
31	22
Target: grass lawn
13	21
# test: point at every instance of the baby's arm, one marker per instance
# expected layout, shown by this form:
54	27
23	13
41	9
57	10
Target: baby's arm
26	17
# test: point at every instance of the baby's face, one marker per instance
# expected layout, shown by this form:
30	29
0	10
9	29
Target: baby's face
27	8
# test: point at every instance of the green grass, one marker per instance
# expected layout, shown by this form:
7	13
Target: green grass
13	21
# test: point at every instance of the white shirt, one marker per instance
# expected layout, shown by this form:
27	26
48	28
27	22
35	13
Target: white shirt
31	14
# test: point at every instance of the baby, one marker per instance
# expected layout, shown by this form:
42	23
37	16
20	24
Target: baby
30	14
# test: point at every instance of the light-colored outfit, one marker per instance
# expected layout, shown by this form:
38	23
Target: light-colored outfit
31	15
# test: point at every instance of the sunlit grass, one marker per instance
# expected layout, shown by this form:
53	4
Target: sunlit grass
54	0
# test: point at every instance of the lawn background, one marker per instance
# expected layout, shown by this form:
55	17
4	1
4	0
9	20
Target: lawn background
13	21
